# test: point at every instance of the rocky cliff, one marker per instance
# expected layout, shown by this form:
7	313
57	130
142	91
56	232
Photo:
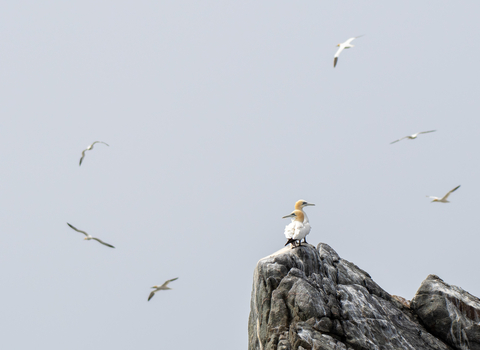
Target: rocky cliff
310	298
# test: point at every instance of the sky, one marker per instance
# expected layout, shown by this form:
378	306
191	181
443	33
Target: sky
220	115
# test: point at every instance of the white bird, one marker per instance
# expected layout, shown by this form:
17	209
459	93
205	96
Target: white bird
88	237
297	229
444	198
346	45
89	147
414	136
299	205
162	287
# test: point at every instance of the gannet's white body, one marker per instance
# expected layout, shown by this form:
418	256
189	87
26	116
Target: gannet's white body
444	198
414	136
297	229
299	205
162	287
346	45
89	147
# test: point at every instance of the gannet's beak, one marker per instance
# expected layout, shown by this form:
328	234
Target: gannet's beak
309	204
292	215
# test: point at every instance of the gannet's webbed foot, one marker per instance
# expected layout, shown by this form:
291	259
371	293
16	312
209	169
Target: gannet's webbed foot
296	243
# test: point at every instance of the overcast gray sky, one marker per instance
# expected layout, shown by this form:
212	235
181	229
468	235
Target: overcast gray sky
219	116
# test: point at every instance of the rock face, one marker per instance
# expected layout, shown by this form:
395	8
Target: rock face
449	312
307	298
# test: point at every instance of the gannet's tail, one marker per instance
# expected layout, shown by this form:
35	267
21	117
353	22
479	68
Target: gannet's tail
291	240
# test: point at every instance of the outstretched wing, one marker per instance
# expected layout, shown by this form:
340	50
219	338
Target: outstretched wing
339	50
151	295
167	282
76	229
448	194
349	41
99	142
335	62
425	132
399	139
83	156
337	54
98	240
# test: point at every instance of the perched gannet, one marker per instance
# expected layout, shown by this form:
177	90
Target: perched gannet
162	287
444	198
414	136
345	45
90	237
299	205
297	229
88	149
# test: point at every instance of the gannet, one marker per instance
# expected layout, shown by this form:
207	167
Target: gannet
90	237
444	198
345	45
299	205
297	229
162	287
414	136
89	147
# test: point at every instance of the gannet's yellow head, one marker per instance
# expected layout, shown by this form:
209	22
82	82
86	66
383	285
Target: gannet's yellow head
296	215
302	204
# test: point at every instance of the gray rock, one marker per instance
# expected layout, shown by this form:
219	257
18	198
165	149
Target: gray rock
449	312
307	298
324	325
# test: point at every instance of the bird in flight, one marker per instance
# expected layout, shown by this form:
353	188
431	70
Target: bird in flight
414	136
444	198
162	287
346	45
88	237
89	147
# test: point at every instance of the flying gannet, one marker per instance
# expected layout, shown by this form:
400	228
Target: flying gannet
346	45
89	147
162	287
88	237
297	229
414	136
444	198
299	205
